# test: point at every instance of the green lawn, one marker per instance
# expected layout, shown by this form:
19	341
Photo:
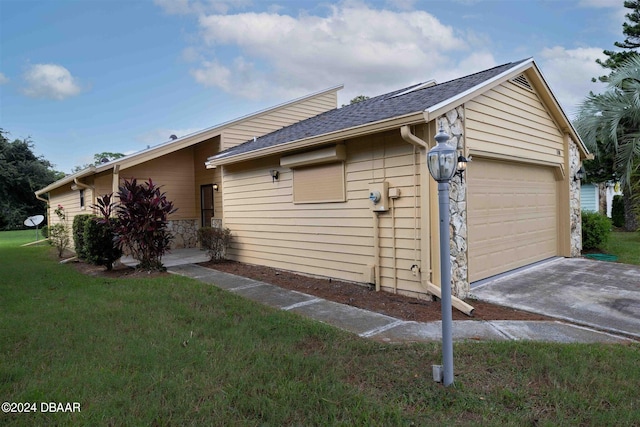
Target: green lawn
173	351
625	245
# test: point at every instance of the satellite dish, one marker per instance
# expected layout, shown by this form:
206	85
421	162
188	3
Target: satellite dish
34	221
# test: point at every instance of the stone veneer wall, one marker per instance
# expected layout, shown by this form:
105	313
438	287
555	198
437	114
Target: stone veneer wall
185	233
574	197
453	123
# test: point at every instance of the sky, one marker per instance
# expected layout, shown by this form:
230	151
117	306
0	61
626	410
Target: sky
85	77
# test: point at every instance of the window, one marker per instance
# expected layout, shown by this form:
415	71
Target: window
322	183
81	199
206	204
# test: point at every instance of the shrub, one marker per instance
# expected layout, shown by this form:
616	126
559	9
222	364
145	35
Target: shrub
78	234
617	211
215	241
143	213
59	233
595	230
100	246
45	231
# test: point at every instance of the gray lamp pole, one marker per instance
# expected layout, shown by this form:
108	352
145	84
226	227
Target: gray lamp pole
442	163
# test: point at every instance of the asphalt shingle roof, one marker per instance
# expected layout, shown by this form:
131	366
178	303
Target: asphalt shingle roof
375	109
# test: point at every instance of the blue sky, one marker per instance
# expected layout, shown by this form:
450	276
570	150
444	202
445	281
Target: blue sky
83	77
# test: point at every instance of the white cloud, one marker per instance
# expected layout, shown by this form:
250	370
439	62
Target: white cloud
569	73
370	50
50	81
3	79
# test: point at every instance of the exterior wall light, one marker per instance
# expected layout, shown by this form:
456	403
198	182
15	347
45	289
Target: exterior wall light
215	187
441	161
462	166
580	174
275	175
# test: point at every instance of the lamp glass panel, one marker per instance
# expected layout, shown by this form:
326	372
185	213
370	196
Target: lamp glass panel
442	162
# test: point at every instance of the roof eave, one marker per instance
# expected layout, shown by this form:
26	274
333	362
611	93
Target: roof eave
66	180
366	129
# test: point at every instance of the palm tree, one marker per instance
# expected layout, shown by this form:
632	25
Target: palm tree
609	124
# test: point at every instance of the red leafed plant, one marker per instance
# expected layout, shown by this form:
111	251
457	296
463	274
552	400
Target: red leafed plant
142	222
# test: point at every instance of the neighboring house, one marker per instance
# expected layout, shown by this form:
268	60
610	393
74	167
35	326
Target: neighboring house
179	167
298	198
599	197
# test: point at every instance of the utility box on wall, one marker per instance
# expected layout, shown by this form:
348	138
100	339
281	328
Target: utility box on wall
379	196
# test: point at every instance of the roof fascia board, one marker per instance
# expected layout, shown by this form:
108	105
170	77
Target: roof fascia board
446	105
67	180
366	129
196	137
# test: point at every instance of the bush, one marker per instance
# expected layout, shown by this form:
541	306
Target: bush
45	231
617	211
78	234
215	241
595	230
58	233
100	247
100	235
143	227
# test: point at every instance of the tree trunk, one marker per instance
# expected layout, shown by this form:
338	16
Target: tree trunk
630	209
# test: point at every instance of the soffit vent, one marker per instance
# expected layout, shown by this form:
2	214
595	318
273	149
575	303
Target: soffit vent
521	80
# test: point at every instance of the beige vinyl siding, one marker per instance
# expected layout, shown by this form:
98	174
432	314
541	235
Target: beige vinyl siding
204	176
103	183
279	118
70	201
510	120
327	239
175	173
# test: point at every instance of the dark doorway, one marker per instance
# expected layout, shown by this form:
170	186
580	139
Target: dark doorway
206	204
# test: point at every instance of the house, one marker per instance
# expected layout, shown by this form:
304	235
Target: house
179	167
298	198
599	197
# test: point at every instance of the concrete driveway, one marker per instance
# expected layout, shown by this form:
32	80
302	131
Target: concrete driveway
598	294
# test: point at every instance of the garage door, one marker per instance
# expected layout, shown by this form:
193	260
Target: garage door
512	216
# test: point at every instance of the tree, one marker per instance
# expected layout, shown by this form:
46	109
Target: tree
98	158
21	174
609	123
359	98
631	30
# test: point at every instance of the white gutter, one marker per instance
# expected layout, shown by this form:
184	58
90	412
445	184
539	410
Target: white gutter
365	129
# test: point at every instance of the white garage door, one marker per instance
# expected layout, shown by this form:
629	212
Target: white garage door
512	216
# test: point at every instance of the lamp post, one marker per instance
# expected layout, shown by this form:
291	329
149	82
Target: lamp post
442	162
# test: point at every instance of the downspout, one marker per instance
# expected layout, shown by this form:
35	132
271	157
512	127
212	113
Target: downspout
81	185
409	137
78	184
46	203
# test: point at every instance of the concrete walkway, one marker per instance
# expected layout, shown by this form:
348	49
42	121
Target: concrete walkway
385	328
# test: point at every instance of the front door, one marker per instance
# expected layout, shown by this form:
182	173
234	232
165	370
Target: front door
206	204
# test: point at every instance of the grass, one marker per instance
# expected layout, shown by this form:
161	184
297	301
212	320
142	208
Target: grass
625	245
172	351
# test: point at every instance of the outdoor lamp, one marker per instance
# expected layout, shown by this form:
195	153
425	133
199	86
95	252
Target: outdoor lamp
579	174
441	159
462	166
215	187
